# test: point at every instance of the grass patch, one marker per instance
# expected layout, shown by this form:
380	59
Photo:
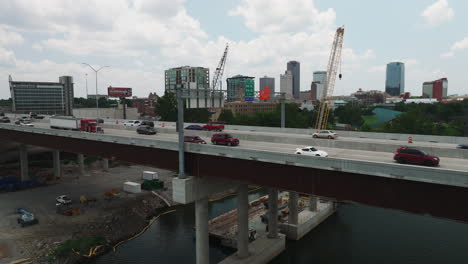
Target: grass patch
370	120
80	245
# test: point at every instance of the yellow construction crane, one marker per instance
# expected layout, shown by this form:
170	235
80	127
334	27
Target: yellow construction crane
333	63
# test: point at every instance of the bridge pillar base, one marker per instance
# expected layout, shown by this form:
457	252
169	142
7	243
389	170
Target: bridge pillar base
201	231
272	213
56	162
24	162
191	189
293	211
243	221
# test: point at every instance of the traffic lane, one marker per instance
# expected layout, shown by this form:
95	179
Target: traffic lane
445	163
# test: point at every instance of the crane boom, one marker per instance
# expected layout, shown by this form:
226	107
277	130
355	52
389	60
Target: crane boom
333	63
220	69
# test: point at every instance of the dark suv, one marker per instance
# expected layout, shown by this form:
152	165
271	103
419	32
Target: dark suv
224	139
415	156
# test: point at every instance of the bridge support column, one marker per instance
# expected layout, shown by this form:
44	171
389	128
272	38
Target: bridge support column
293	217
56	162
81	164
243	222
272	213
24	162
201	226
105	164
313	203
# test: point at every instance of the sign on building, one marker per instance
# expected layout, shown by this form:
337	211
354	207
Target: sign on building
119	91
265	93
249	90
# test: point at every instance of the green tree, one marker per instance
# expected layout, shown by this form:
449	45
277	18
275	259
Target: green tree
196	115
166	107
227	116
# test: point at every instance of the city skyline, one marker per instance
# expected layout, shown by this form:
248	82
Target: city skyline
42	44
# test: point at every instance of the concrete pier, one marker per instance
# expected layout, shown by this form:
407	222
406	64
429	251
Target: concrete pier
105	164
201	226
292	204
242	222
262	251
56	162
272	213
313	203
24	162
81	164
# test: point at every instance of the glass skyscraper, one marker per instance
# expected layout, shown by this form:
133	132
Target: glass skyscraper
196	79
295	68
395	80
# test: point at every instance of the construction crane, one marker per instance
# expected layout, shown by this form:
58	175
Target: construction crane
219	73
333	63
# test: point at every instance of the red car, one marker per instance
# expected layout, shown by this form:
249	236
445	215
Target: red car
224	139
194	139
415	156
214	125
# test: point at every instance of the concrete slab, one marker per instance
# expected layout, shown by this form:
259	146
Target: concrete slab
261	251
194	188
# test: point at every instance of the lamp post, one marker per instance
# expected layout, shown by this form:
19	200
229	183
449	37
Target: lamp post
86	85
96	71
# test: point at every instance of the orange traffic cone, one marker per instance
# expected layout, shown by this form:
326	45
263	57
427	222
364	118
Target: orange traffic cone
410	139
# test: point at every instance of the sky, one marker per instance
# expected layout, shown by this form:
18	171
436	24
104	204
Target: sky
41	40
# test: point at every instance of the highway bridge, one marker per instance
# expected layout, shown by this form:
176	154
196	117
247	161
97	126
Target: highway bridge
366	175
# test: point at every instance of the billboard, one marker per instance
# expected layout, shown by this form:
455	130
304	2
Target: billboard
265	93
119	91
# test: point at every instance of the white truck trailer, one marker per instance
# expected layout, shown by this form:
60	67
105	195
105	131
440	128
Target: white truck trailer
64	122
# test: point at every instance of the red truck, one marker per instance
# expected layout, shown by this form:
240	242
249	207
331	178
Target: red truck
214	126
71	123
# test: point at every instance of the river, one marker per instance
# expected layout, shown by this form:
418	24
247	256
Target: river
355	234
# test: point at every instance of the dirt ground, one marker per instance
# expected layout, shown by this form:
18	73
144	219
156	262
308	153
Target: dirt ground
101	217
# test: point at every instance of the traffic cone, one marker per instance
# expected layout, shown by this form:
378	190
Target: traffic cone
162	124
410	139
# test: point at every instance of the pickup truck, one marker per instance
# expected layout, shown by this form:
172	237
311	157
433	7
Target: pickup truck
214	126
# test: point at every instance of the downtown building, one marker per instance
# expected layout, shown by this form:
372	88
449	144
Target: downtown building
48	98
395	79
267	83
195	82
236	87
436	89
286	85
318	85
295	68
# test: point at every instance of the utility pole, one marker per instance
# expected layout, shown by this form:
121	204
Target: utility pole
86	85
180	127
283	110
97	97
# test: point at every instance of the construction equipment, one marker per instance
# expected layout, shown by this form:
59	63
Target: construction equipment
333	63
218	75
26	218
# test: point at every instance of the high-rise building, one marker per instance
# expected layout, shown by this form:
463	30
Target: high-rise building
43	97
236	87
295	68
319	78
313	92
286	84
268	82
395	79
436	89
195	81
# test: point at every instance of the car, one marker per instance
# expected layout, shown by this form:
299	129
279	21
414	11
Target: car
147	123
194	127
24	123
330	134
146	130
132	123
311	151
224	139
415	156
63	199
462	146
5	119
194	139
100	120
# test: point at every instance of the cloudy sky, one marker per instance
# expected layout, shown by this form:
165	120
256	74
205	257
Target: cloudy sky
41	40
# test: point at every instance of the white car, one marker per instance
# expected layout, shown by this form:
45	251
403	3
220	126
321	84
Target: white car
63	199
24	123
325	134
311	151
132	123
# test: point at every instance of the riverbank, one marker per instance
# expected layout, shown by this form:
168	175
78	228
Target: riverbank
108	221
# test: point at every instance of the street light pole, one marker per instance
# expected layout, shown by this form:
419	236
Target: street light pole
283	112
97	98
86	85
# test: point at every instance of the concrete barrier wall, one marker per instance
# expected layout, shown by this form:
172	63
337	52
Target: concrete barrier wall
380	169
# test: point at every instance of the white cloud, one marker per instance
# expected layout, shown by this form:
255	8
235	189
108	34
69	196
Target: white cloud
380	68
9	38
457	46
7	58
438	13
